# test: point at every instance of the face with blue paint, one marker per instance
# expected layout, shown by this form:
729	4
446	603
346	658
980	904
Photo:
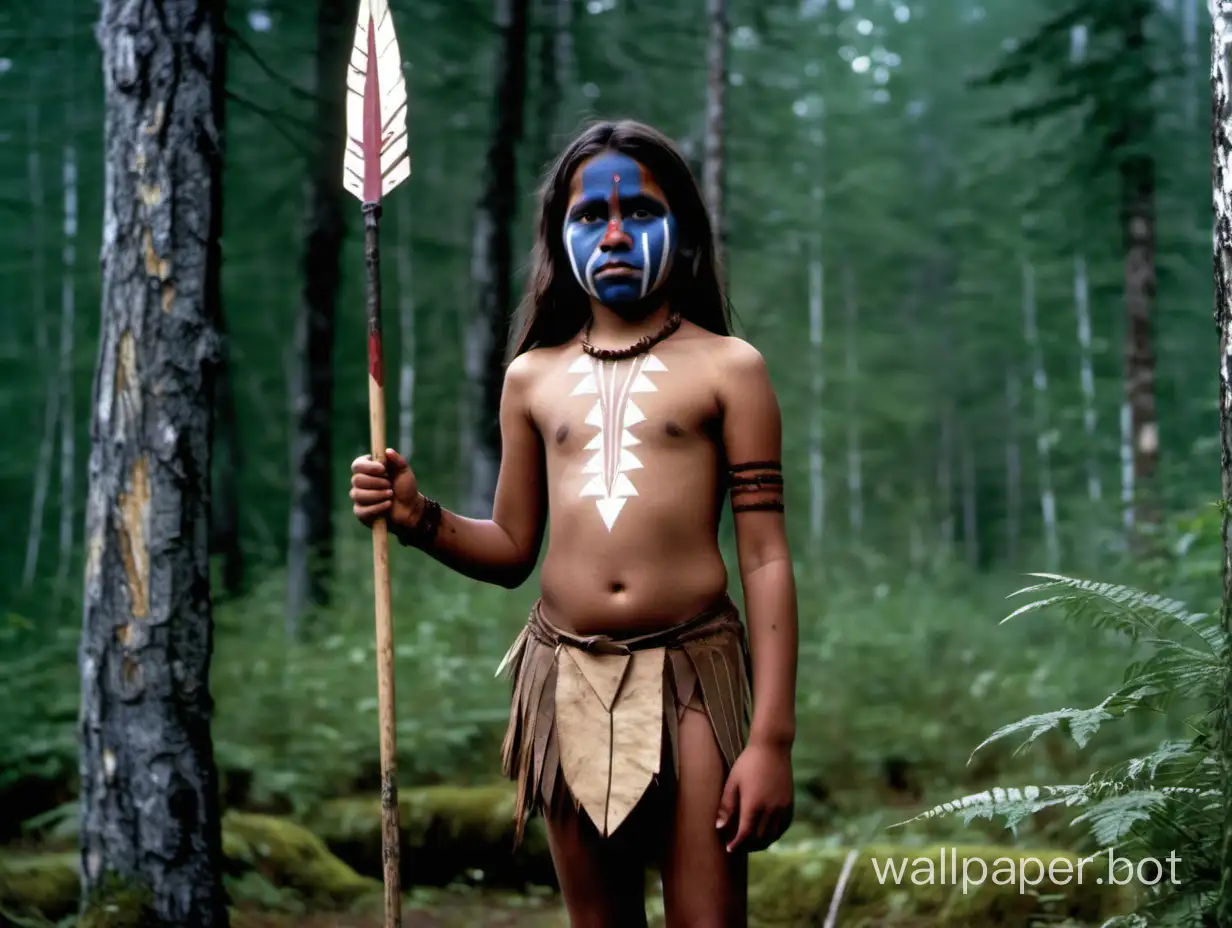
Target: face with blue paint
619	234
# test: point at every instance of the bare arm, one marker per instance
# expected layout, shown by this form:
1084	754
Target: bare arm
504	549
752	436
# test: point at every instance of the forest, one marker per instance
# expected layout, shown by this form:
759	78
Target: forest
972	240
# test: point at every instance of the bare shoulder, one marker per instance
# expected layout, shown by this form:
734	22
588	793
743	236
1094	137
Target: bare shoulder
527	369
734	353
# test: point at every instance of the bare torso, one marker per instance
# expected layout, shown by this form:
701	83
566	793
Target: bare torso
633	457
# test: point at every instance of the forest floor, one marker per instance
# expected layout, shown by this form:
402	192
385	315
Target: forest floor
464	911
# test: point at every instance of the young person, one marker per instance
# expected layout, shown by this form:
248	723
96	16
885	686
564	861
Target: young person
628	414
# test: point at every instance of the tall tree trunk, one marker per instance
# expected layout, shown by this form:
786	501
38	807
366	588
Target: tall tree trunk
817	320
1082	307
1137	192
492	257
555	75
51	402
714	169
1221	177
1043	428
1013	465
1138	196
855	457
68	320
310	542
149	786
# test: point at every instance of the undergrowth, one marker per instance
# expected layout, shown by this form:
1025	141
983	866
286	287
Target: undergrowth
1164	803
895	679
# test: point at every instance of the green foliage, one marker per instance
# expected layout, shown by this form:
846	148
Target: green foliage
1164	802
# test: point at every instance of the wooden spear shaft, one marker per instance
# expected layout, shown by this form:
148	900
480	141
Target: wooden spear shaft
376	160
391	852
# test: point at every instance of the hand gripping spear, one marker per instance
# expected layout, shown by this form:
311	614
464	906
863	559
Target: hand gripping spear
377	159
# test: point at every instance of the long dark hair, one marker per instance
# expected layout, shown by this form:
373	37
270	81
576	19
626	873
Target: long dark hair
555	308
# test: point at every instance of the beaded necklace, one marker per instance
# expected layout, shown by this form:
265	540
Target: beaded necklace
641	346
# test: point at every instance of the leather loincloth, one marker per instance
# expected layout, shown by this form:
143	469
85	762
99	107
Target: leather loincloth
589	713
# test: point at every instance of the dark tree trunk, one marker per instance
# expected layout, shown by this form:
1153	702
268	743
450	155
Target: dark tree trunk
310	539
1137	193
492	259
1138	227
149	787
553	26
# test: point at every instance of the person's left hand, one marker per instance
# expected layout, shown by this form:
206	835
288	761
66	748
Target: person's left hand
758	796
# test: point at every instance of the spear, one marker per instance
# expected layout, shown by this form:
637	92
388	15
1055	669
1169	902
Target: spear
377	159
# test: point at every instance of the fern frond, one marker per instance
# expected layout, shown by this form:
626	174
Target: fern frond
1014	804
1083	724
1112	819
1133	611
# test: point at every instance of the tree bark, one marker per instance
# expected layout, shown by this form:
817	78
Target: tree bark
1221	177
492	256
149	787
310	541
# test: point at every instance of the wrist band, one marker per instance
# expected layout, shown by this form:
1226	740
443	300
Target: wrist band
423	532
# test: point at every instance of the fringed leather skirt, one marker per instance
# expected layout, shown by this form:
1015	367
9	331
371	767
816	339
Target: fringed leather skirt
590	713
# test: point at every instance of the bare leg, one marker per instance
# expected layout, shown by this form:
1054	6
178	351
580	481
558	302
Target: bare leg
703	885
603	881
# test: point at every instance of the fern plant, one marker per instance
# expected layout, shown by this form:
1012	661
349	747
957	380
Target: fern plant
1166	802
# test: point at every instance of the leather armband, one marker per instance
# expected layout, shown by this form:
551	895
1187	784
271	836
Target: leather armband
423	532
756	485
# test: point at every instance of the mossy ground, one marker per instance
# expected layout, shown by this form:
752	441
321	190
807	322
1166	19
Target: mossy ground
456	846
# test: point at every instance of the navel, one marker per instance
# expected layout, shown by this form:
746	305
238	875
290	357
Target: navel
561	434
674	430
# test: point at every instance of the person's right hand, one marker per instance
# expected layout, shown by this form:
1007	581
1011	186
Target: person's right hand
388	489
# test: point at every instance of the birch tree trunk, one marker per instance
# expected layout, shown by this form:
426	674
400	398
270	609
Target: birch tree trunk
714	170
310	538
51	402
149	787
1221	176
68	318
1013	464
817	318
855	457
1082	307
492	255
1043	438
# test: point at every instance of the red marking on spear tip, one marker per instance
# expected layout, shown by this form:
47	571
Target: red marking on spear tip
376	370
372	122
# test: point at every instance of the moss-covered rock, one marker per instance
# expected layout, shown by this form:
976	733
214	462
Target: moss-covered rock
291	857
449	834
117	904
46	884
272	861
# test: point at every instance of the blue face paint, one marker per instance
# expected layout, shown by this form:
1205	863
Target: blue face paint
617	222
